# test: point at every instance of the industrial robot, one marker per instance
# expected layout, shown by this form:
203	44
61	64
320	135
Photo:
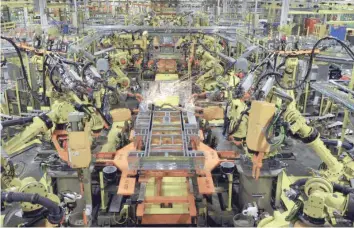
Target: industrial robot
318	200
69	93
38	205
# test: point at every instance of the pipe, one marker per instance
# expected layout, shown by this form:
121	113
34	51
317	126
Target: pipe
336	187
103	203
342	189
56	213
56	87
89	56
230	179
87	65
300	182
19	121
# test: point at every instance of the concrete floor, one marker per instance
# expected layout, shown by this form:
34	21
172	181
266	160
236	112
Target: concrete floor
27	165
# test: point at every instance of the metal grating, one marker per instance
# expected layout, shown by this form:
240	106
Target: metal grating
333	91
166	136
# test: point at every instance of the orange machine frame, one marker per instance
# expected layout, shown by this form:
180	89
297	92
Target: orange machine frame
128	181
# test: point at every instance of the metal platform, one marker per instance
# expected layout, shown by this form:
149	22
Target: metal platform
167	137
333	92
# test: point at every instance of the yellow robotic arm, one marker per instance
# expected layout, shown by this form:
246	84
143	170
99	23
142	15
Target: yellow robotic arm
213	69
311	137
40	124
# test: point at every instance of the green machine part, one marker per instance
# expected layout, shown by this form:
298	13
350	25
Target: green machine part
238	121
209	63
311	137
212	43
277	220
112	137
322	201
22	140
64	107
58	115
121	78
119	61
31	185
207	82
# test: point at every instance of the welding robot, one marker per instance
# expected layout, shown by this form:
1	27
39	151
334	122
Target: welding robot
317	200
68	81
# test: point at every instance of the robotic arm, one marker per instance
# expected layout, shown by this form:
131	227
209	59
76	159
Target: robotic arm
213	69
311	137
321	202
118	62
40	124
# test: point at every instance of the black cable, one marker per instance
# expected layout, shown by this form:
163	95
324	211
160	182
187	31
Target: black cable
56	87
56	213
266	76
282	63
299	183
19	121
342	189
84	108
84	69
206	48
239	121
24	72
3	63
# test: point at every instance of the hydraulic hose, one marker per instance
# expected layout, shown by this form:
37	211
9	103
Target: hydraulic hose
239	121
19	121
84	108
300	182
56	213
265	76
345	145
87	65
309	67
89	56
342	189
69	62
51	73
269	129
336	187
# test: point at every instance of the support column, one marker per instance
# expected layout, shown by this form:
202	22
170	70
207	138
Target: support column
75	23
25	16
244	9
87	12
43	15
255	7
107	6
114	8
284	13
